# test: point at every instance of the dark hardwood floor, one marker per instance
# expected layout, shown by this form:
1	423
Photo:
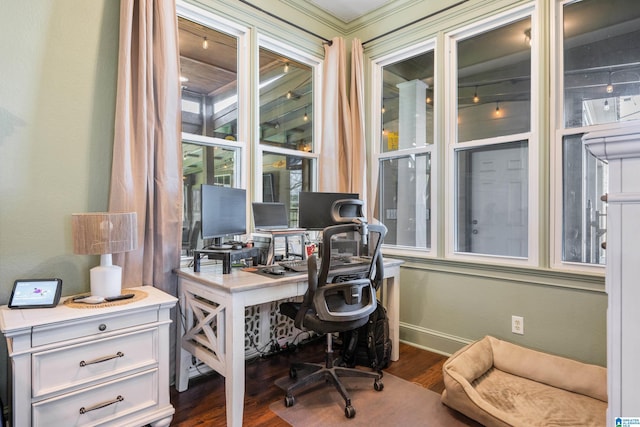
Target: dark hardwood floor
203	404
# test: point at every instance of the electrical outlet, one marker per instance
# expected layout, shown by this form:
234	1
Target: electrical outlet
517	325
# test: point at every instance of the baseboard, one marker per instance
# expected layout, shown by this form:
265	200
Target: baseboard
434	341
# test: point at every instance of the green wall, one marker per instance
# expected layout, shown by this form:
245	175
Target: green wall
57	99
444	307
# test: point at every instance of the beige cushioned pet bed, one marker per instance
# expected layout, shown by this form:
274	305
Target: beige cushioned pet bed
501	384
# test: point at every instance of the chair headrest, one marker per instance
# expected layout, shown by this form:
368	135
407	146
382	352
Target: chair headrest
345	211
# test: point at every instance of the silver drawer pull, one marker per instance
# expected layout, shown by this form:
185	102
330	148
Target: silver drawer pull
84	410
101	359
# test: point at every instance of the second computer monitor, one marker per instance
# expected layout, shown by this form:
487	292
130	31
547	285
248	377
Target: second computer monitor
315	208
270	216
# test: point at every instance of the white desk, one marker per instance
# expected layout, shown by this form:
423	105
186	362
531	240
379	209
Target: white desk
212	320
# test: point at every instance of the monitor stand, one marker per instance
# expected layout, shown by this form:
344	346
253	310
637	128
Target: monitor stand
218	245
226	256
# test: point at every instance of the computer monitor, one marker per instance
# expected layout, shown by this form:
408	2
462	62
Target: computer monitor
269	216
315	208
224	212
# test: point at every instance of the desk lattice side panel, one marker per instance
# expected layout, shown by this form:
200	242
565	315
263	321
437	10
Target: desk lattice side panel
264	326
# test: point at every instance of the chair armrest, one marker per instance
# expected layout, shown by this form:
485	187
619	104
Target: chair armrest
312	279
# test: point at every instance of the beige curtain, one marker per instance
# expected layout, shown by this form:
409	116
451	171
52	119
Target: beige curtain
358	153
146	176
342	162
335	141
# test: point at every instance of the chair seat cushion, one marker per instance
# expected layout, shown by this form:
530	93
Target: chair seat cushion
313	323
290	309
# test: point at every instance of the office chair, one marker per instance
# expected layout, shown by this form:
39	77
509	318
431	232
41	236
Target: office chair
340	297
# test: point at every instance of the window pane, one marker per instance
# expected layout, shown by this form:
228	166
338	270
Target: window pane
407	103
208	73
601	62
204	164
584	214
286	102
283	177
494	82
405	200
492	200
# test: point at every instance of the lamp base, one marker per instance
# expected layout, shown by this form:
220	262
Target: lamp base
106	280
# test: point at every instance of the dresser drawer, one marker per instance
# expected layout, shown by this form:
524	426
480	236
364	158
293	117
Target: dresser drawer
70	367
56	332
106	404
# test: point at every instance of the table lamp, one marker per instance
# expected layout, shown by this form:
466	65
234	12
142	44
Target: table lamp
104	233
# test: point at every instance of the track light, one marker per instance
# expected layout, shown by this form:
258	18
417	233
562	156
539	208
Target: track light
289	95
606	105
383	110
609	86
205	43
498	111
475	96
286	67
305	118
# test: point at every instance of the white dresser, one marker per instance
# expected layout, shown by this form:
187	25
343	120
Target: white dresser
106	366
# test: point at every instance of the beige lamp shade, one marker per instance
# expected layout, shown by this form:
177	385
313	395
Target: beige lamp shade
104	232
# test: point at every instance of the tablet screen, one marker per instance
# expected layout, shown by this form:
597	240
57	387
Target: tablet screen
35	293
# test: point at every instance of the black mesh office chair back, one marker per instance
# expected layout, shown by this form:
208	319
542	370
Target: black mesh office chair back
340	297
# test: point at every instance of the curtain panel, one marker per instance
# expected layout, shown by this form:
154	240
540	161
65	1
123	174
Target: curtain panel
358	152
146	173
335	141
342	161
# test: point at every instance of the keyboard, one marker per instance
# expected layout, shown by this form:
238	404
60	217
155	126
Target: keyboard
349	260
297	265
300	266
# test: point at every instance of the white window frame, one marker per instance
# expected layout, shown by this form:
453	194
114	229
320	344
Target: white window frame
242	34
557	132
532	137
274	45
378	155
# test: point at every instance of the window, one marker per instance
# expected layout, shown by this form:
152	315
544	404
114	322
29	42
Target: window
286	107
208	73
492	153
407	144
492	198
598	61
211	152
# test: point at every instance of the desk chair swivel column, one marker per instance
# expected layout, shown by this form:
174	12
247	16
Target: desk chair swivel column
339	298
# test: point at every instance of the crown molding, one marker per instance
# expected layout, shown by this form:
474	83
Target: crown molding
373	18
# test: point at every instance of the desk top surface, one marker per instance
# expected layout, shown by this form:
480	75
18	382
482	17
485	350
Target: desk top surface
242	281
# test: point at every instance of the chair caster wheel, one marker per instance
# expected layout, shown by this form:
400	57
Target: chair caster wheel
293	373
289	401
349	411
378	385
